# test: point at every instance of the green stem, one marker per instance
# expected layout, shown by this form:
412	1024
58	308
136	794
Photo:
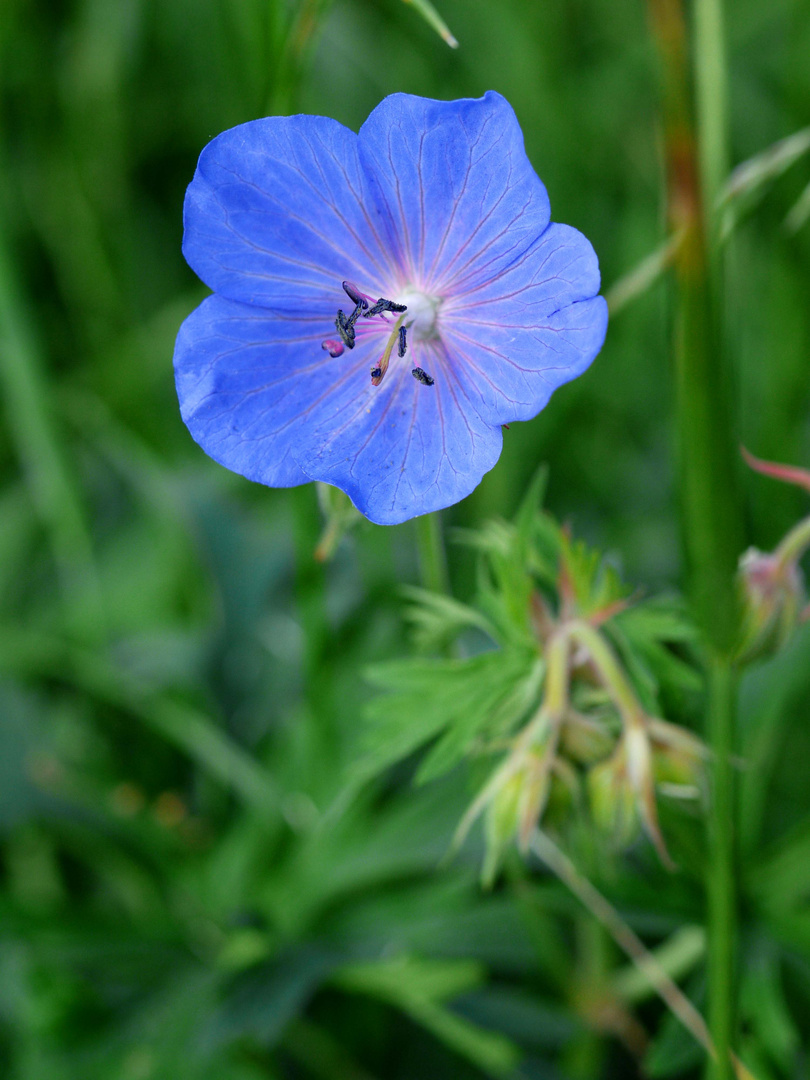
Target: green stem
610	670
432	558
707	474
720	878
794	545
722	515
602	910
711	98
310	591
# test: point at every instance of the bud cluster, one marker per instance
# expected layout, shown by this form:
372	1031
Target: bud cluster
588	742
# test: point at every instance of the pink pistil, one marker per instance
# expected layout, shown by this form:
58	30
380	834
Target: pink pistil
333	347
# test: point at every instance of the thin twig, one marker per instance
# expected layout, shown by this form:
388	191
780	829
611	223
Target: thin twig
667	989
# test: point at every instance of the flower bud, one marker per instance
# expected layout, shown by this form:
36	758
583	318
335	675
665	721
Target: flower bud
584	739
501	825
772	590
613	800
678	756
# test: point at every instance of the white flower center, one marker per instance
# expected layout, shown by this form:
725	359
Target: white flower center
423	314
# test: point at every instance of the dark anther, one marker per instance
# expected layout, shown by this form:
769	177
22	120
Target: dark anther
376	373
403	344
422	377
345	329
355	315
354	295
384	305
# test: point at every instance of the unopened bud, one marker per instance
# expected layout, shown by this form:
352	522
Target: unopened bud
622	791
613	800
501	825
585	740
679	757
772	590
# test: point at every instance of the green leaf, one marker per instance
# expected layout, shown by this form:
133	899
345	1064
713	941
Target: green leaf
781	880
527	513
673	1051
502	701
799	212
434	19
763	1005
420	988
425	697
749	177
644	632
438	619
643	275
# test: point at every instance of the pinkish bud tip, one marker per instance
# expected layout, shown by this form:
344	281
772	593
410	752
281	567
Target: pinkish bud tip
789	473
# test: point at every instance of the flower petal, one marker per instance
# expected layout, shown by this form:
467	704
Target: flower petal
261	397
240	371
402	449
456	192
275	214
533	327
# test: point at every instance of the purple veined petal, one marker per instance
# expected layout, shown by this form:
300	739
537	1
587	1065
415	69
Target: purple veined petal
455	190
535	326
401	449
275	214
246	378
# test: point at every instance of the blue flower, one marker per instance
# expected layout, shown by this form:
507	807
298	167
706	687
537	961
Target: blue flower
383	302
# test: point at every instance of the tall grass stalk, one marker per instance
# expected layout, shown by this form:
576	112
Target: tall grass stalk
710	511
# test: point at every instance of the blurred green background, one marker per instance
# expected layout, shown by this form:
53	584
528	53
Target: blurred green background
182	893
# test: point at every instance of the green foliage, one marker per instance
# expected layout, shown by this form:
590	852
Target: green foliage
535	582
465	701
200	876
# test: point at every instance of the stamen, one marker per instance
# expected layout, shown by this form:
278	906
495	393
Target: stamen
378	372
422	376
355	295
345	330
334	348
355	315
383	305
345	326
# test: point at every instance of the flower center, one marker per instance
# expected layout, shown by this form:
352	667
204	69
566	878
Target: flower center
423	314
417	315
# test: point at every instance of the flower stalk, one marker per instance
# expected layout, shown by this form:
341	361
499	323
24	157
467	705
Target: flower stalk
711	518
432	556
628	941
